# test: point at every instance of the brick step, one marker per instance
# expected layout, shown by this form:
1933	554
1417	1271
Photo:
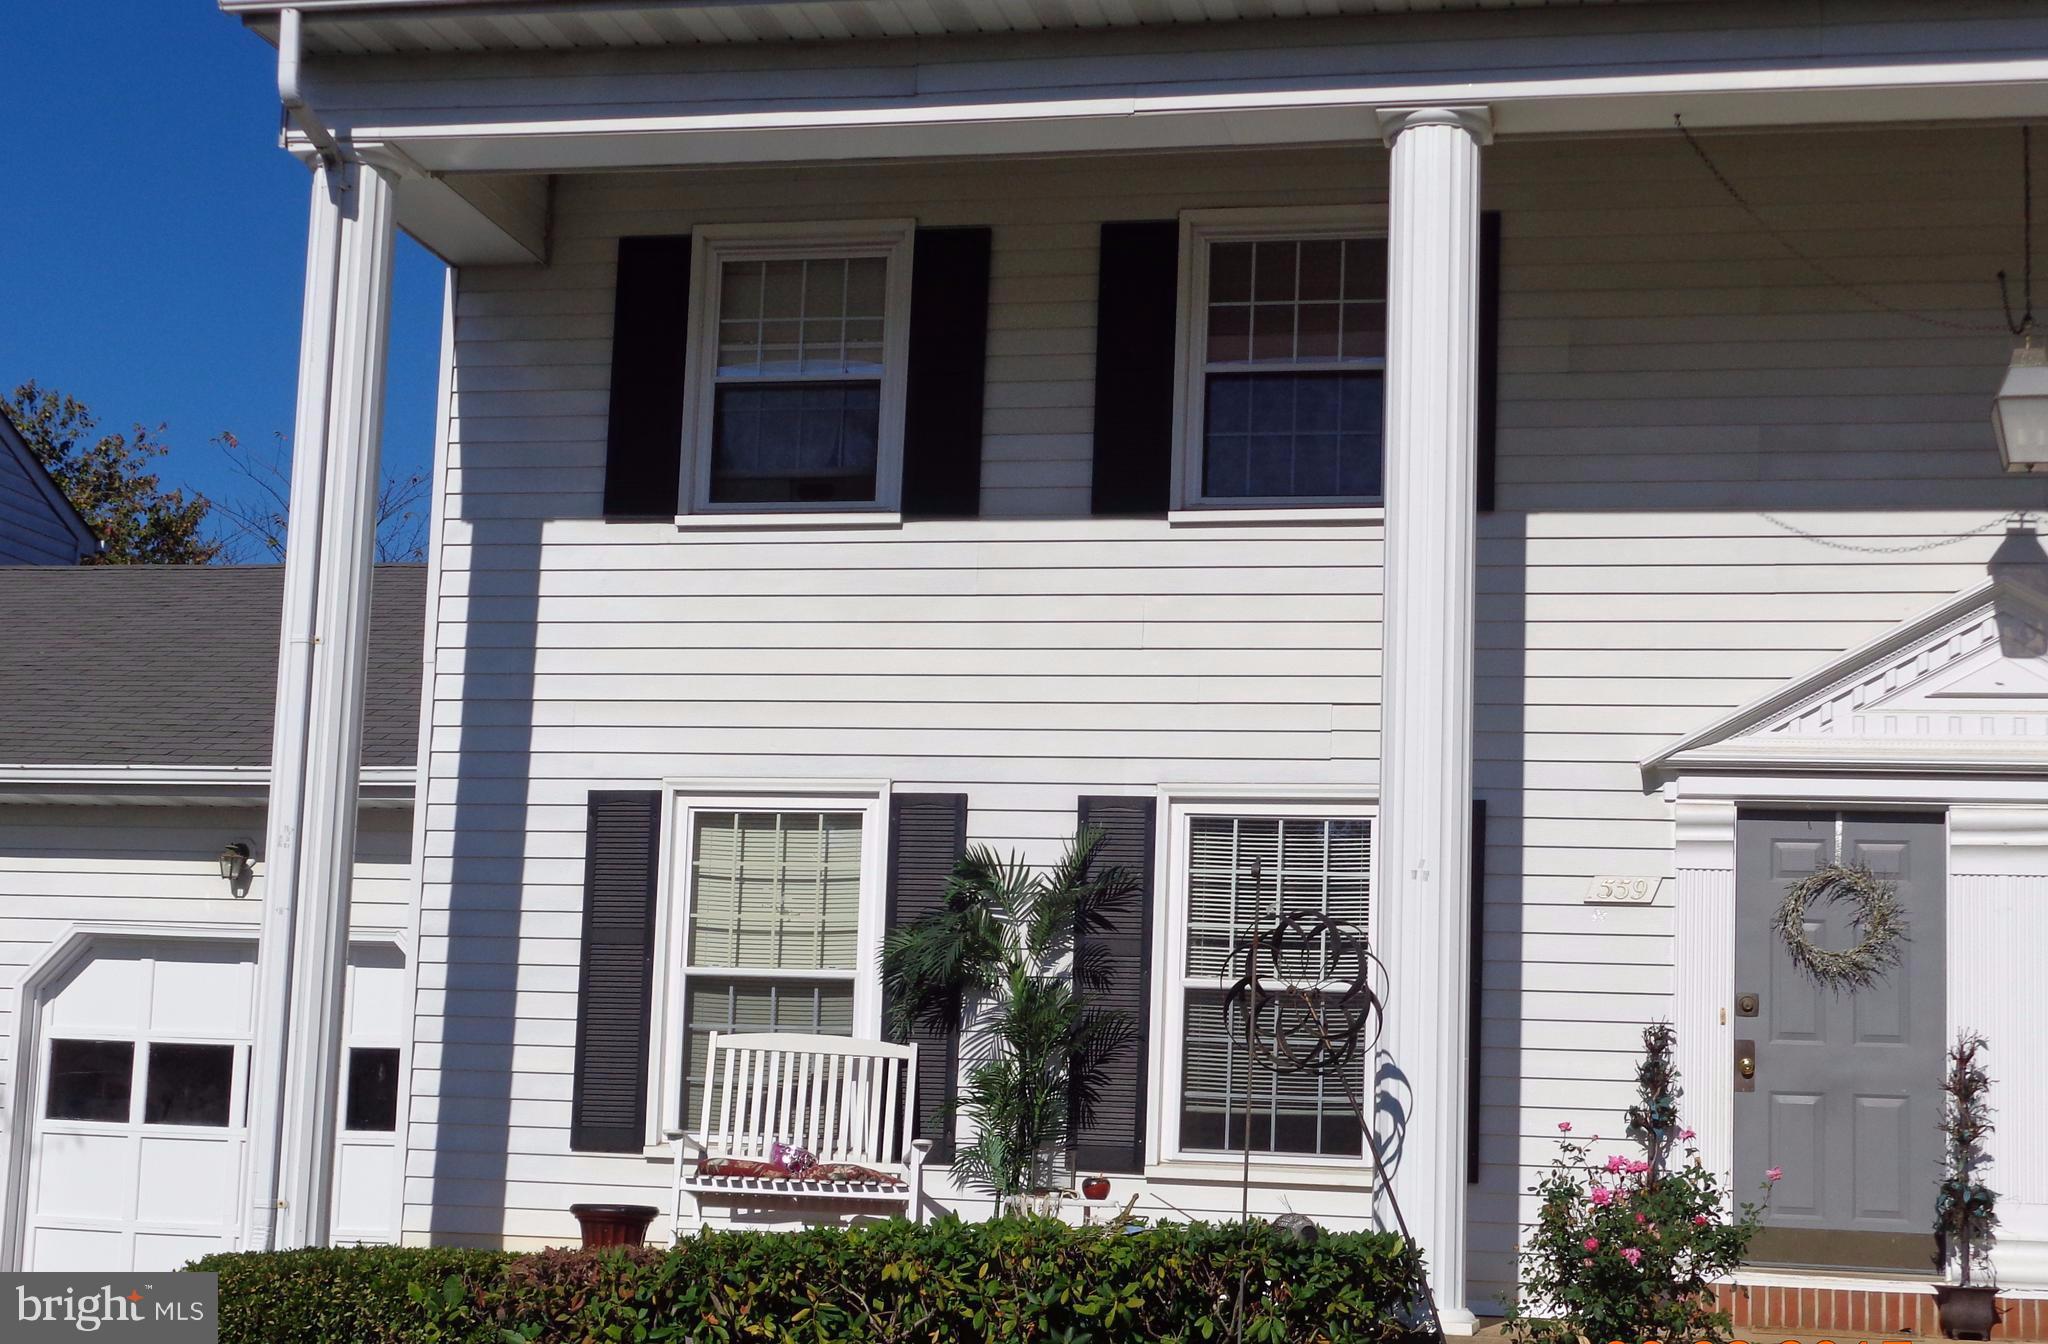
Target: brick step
1852	1314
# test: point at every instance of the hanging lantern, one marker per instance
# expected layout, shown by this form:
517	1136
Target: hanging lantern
2019	414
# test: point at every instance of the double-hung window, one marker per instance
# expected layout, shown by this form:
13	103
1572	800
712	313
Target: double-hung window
799	340
1283	358
778	926
1239	872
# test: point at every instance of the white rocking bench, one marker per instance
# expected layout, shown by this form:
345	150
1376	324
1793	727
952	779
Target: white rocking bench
844	1101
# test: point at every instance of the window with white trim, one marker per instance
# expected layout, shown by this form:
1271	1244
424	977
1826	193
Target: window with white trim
797	354
1282	387
1241	872
776	928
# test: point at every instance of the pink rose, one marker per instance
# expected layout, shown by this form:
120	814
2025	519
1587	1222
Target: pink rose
1641	1219
1602	1196
1564	1126
1687	1135
1632	1255
1592	1243
1700	1220
1775	1174
1638	1167
1616	1162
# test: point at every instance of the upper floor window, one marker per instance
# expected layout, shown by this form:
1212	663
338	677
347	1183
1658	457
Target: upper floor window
797	368
1283	339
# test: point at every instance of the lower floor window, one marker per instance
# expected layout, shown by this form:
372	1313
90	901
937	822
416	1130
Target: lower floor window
773	929
1244	875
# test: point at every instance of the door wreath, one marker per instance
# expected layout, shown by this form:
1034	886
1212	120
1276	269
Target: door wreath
1878	917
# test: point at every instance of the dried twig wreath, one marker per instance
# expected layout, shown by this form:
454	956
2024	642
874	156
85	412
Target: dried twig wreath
1879	918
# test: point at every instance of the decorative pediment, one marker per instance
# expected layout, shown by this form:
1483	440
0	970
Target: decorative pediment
1963	687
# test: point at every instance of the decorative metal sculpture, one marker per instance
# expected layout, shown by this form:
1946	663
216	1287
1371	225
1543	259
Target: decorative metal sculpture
1318	978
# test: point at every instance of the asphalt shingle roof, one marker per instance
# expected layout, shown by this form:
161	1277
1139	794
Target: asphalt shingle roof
177	664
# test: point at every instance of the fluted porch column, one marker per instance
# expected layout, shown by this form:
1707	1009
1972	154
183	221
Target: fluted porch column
1425	825
316	748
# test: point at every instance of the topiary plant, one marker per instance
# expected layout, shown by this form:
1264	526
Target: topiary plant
1965	1208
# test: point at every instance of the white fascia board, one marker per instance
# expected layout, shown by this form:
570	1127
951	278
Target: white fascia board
1731	99
382	778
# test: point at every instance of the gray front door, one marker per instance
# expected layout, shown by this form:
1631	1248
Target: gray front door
1846	1094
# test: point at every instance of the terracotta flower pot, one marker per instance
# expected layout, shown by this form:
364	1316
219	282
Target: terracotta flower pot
613	1224
1968	1311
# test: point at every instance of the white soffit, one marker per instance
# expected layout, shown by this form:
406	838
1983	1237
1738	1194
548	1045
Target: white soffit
1962	688
380	27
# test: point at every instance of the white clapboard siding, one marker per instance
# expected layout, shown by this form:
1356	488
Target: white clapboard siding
63	865
1709	457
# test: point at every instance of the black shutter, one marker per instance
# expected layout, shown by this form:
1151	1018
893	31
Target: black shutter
650	321
948	365
927	836
1137	296
1114	1137
608	1106
1489	353
1477	990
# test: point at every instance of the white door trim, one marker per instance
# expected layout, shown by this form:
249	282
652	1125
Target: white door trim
71	946
1997	831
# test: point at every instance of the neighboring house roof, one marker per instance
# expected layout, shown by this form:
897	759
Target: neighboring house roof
38	526
176	665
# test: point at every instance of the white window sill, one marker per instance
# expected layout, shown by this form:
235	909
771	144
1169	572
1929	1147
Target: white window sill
1306	516
1349	1173
794	520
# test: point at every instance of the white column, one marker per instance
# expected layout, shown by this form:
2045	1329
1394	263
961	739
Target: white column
1425	826
316	751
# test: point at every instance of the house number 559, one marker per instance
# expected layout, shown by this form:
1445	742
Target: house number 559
1622	890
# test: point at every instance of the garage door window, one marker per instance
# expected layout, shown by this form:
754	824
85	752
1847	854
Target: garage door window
372	1090
90	1080
189	1085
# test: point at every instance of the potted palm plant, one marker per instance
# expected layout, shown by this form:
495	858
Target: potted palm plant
1003	960
1965	1208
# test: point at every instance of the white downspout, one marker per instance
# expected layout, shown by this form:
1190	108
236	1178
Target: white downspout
290	50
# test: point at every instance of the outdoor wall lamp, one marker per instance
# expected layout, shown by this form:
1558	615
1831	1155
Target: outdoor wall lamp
234	861
2019	414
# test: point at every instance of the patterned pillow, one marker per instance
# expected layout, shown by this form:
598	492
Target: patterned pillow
846	1173
739	1166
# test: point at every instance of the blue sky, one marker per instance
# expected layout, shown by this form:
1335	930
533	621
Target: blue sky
152	234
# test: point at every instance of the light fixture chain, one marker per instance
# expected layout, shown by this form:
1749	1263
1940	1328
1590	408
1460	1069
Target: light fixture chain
1825	271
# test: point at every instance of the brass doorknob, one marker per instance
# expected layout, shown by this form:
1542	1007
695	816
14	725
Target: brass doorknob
1746	1067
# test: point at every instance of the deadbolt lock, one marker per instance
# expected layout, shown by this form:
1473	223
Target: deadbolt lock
1745	1005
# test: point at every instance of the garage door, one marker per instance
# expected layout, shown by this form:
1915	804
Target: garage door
137	1153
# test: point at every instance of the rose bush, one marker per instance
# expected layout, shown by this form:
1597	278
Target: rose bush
1629	1248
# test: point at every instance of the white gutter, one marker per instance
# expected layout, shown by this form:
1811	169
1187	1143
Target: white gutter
290	50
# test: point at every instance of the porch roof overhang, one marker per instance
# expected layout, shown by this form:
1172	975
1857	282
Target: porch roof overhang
367	27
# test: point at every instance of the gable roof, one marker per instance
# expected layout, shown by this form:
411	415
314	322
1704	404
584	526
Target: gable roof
1960	688
176	665
58	507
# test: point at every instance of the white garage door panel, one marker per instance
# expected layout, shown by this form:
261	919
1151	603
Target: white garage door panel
72	1249
107	995
85	1176
208	995
156	1251
188	1181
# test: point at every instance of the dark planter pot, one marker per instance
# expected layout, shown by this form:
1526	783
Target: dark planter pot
1967	1311
1095	1187
613	1224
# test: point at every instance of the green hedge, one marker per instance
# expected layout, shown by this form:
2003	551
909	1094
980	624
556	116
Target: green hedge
947	1283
